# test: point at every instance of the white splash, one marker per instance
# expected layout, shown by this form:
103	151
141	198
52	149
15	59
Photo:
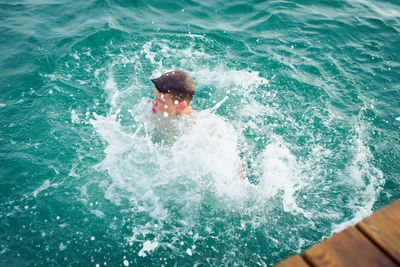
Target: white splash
74	117
148	246
159	162
277	168
46	184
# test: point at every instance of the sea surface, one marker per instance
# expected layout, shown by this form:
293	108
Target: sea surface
302	95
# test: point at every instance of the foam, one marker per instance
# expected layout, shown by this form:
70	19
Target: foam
148	246
74	117
168	176
147	173
46	184
277	169
365	178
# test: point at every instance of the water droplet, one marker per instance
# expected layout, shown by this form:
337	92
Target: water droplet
62	247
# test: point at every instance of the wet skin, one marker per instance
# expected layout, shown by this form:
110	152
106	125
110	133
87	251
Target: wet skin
163	103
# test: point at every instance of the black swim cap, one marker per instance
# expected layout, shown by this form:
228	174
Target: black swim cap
177	83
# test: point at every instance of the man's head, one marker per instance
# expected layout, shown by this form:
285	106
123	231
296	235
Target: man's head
173	93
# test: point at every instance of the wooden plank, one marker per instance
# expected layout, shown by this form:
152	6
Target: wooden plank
347	248
293	261
383	228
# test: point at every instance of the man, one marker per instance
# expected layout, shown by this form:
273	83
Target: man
172	96
173	93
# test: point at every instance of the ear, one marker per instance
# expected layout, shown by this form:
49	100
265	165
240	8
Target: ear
181	106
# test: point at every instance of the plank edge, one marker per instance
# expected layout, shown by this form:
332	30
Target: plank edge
376	243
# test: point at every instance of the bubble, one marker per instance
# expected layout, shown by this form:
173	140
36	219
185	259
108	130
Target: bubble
126	263
189	252
62	247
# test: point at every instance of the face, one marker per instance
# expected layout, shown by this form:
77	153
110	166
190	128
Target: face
163	103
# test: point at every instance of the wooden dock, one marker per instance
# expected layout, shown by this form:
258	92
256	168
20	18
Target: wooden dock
375	241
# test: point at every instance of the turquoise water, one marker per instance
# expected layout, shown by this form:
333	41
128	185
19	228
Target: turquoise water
304	93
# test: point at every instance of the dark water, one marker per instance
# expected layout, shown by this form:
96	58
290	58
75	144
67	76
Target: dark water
305	94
